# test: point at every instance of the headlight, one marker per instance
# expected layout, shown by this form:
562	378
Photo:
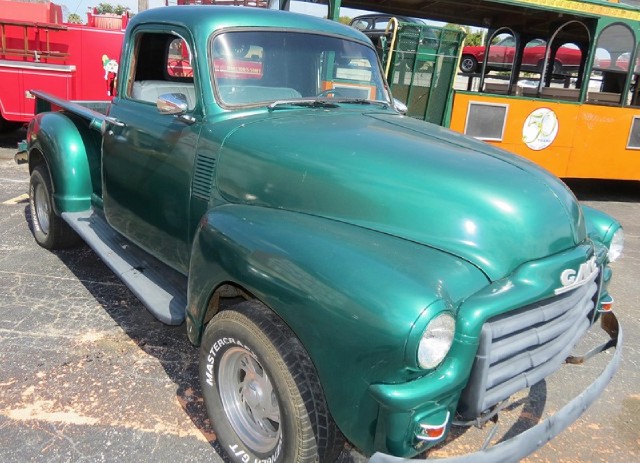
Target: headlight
617	245
436	341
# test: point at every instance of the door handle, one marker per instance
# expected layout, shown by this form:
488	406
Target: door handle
113	121
108	123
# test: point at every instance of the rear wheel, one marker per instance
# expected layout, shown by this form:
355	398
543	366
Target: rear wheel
468	64
49	230
262	392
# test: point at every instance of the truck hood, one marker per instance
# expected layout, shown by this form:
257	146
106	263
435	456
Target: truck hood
405	178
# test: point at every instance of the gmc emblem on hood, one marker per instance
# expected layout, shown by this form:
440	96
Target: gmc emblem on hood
572	279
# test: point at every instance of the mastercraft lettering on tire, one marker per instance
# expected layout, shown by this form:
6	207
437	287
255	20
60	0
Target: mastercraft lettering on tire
351	275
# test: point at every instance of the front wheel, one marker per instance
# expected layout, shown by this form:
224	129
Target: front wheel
49	229
261	390
468	64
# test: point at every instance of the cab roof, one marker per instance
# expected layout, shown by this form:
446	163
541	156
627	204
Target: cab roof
206	19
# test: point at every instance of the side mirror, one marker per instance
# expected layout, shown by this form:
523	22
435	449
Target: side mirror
400	106
172	103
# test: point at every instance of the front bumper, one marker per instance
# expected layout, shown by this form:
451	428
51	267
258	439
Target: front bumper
532	439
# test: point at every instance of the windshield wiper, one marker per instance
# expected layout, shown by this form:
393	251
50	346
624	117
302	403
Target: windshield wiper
361	101
324	103
302	103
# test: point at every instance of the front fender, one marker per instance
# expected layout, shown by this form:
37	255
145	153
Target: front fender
600	226
59	140
351	295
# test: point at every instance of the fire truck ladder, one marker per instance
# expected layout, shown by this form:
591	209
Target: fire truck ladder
38	51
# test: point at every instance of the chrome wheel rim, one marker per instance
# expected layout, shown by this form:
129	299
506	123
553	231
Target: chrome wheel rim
42	208
249	400
467	65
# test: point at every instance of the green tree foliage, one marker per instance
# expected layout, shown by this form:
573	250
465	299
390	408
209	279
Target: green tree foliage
108	8
472	38
74	18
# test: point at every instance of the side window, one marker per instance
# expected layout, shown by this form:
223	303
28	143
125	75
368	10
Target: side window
536	43
161	65
381	24
360	24
508	41
608	77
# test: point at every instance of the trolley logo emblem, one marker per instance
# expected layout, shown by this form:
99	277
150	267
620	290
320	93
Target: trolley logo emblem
540	129
572	279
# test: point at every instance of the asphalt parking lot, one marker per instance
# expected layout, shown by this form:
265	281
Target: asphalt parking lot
87	375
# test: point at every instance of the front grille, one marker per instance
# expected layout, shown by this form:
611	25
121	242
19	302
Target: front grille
518	349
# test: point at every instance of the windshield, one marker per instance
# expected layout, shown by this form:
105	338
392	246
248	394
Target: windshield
262	67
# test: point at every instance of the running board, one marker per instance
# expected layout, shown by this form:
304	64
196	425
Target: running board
161	289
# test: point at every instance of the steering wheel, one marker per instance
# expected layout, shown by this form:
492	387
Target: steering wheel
331	91
180	67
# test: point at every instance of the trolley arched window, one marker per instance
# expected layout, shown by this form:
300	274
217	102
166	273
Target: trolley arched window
499	57
562	67
614	51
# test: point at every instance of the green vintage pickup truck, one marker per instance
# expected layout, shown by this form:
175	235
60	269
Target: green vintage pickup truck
349	273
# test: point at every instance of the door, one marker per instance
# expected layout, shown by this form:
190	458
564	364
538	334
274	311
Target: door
148	157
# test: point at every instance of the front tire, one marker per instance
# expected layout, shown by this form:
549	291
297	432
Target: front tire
49	230
468	64
261	390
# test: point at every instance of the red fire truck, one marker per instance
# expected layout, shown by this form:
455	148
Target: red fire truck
38	50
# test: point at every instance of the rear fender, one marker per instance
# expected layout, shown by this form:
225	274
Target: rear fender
64	145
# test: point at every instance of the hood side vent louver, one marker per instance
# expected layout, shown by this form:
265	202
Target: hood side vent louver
203	176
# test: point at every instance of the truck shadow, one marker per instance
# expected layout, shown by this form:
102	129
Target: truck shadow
168	344
11	139
627	191
531	412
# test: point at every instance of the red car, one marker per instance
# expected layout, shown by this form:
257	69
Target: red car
501	56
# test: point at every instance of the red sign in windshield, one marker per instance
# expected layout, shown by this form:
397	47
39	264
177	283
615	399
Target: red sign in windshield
237	69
